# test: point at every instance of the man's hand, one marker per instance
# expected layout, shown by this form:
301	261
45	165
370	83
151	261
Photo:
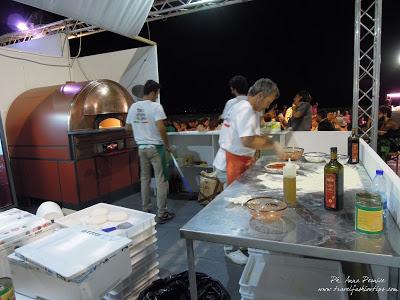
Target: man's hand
169	148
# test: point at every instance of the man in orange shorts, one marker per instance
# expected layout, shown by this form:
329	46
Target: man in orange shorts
241	129
240	139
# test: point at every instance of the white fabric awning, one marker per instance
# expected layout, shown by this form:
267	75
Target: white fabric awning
125	17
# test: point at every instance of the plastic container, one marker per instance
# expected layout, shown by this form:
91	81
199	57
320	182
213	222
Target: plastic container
16	224
286	277
133	293
139	248
134	281
18	228
50	211
4	264
35	282
141	221
368	213
22	297
379	187
144	253
71	253
72	263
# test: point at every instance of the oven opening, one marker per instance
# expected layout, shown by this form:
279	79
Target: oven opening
109	121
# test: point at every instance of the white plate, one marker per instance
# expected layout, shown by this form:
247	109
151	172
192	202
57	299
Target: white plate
278	171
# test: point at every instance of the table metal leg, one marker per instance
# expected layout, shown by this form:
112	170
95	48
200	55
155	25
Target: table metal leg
393	283
192	270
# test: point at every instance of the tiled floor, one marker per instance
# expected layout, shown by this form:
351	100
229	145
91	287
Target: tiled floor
210	257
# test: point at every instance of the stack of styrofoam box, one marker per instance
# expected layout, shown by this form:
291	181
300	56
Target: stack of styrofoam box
18	228
72	263
288	277
143	251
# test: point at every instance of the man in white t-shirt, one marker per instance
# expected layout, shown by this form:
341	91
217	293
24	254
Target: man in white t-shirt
240	133
147	120
238	86
240	138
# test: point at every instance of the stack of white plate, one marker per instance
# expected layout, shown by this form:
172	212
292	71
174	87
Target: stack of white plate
71	263
139	227
18	228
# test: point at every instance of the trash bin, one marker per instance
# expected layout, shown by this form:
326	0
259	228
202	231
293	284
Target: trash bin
177	287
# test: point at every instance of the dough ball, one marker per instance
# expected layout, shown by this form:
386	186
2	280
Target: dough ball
99	211
117	216
97	220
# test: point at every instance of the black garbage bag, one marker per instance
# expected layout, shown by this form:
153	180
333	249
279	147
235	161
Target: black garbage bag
176	287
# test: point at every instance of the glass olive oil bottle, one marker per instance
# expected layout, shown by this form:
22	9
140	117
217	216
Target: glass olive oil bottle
333	183
353	147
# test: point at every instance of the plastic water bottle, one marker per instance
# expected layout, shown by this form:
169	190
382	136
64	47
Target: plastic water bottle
379	187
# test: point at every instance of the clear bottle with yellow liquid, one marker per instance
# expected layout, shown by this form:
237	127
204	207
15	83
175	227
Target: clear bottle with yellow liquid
289	184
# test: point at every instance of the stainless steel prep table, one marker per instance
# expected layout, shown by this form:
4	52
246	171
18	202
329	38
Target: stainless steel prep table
308	229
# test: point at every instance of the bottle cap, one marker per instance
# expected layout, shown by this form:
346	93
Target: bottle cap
289	170
379	172
334	149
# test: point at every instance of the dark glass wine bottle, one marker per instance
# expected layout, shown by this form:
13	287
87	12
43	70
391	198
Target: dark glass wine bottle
353	147
333	183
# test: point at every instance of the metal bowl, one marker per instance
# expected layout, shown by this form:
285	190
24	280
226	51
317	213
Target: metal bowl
266	209
294	153
315	157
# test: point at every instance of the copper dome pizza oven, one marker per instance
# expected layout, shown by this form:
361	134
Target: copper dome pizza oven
69	144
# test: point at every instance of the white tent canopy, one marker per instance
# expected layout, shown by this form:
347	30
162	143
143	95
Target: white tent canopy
125	17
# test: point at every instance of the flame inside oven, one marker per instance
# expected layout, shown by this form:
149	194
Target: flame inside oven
110	123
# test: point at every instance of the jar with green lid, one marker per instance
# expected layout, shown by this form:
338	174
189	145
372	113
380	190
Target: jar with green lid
369	213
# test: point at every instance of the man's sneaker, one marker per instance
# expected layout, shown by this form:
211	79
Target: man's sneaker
147	210
237	257
165	217
228	249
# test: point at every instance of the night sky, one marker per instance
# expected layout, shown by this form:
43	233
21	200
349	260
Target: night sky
300	44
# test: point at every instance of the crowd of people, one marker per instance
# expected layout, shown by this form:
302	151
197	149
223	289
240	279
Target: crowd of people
300	116
202	124
388	133
304	116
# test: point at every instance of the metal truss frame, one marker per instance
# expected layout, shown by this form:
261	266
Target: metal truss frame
74	29
367	61
163	9
71	28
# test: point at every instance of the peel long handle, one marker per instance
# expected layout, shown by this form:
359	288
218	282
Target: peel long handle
184	180
176	165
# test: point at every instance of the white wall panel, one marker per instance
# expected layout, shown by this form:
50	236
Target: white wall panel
128	67
21	71
51	45
318	141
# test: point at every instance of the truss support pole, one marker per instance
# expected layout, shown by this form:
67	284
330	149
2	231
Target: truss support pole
367	60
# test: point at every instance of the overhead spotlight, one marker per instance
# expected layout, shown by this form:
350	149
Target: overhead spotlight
17	22
22	26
